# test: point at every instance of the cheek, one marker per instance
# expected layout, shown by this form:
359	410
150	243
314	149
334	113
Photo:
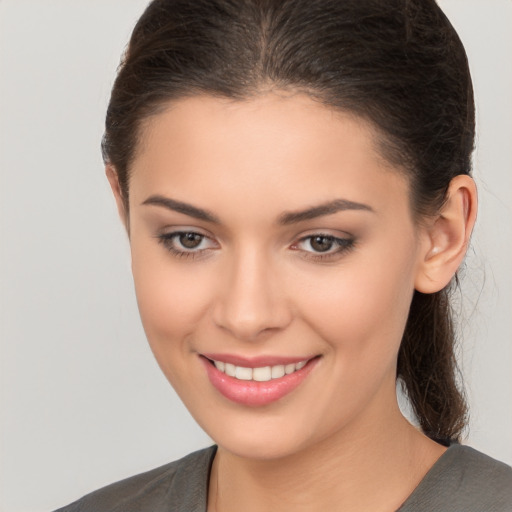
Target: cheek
171	306
363	305
171	301
360	312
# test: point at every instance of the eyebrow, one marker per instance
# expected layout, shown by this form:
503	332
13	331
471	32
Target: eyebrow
329	208
180	207
284	219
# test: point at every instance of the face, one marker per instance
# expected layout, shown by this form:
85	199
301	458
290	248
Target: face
274	257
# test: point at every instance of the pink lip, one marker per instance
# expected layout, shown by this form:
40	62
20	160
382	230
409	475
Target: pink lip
252	393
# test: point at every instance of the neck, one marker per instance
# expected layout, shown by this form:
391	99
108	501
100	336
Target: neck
358	469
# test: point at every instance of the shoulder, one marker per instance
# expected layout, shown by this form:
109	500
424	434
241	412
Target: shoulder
179	485
464	480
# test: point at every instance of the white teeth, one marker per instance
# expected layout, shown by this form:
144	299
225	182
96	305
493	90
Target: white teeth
243	373
263	374
289	368
277	371
230	369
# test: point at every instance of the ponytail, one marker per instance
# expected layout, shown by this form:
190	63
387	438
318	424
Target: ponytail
428	369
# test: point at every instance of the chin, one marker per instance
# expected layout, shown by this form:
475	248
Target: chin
260	436
262	448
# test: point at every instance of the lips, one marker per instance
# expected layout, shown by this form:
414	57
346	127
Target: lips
259	381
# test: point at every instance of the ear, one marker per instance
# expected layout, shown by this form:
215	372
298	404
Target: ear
113	179
446	238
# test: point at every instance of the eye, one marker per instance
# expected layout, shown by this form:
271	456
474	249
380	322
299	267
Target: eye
186	243
321	243
190	240
321	246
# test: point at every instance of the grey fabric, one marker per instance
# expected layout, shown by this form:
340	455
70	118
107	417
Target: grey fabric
462	480
180	486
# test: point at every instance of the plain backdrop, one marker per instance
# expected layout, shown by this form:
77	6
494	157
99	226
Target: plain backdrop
83	402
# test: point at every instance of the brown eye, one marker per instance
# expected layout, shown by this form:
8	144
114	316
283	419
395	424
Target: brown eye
321	243
186	243
320	246
190	240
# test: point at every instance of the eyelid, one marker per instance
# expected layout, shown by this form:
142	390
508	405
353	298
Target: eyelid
335	234
344	244
170	230
167	239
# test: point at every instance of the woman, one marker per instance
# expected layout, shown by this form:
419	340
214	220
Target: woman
294	179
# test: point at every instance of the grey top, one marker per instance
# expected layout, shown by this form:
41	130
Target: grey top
462	480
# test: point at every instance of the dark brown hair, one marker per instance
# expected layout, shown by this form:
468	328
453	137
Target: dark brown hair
396	63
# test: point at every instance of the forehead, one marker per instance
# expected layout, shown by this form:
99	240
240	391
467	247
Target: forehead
287	149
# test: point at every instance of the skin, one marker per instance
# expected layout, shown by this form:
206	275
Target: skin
257	287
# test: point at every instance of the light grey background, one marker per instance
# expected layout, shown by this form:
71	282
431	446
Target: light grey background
82	400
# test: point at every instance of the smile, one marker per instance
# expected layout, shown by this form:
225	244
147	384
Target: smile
257	382
261	374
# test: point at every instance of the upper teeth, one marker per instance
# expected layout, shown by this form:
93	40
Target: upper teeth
262	374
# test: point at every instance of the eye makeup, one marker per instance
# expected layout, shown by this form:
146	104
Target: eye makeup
316	246
323	246
186	244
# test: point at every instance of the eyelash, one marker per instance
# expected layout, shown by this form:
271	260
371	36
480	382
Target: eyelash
168	240
343	245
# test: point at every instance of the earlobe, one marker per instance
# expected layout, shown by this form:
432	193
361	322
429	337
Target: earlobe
113	179
446	239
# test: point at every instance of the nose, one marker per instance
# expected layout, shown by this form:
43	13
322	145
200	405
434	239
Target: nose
251	301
